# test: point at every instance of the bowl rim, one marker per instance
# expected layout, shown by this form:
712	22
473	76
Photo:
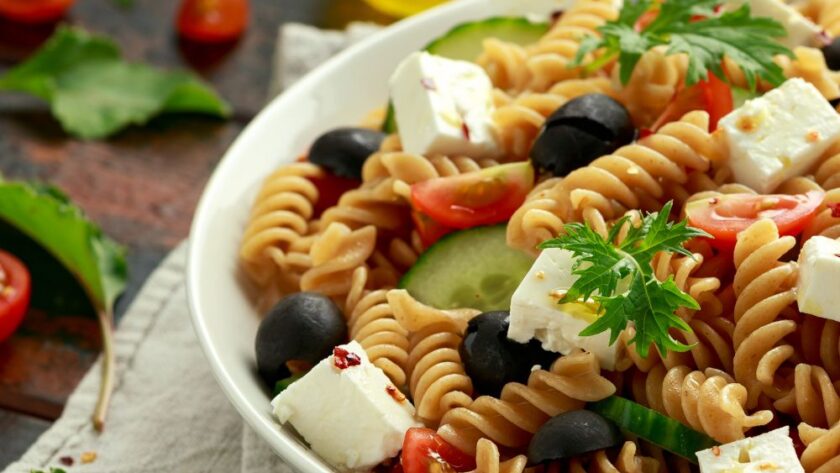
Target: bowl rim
288	448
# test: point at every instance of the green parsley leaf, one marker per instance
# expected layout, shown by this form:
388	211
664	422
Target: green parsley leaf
94	93
694	28
620	279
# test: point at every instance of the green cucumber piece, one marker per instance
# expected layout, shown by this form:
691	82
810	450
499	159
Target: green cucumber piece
653	427
471	268
464	42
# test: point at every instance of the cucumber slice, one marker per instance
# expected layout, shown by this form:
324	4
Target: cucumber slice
471	268
464	42
654	427
740	96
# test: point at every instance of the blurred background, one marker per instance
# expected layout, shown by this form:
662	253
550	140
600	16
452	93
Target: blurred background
140	184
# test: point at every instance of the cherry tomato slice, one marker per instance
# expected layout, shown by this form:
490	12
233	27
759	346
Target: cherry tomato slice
213	21
712	95
469	200
34	11
330	189
422	447
15	290
725	216
430	231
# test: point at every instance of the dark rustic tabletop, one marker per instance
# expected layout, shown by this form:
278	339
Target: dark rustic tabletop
140	186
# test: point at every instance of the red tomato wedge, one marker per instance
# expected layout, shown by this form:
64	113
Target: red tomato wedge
725	216
15	290
34	11
712	95
469	200
330	189
422	447
213	21
430	231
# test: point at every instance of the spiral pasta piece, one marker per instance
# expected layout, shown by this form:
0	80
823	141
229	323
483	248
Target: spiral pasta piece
827	173
708	402
764	287
548	61
336	253
822	451
437	379
536	220
826	13
813	398
512	419
275	245
628	460
488	460
371	322
504	63
809	64
655	81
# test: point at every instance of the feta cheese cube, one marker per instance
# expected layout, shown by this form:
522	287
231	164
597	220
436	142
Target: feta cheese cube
779	135
770	452
444	107
819	272
348	410
800	30
535	312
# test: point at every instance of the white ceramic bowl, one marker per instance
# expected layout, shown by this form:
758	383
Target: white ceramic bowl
340	92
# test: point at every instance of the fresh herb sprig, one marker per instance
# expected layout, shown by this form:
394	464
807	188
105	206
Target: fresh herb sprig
620	279
694	28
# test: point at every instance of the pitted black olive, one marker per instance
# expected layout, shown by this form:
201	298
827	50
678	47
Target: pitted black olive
303	327
343	151
571	434
832	54
492	360
580	131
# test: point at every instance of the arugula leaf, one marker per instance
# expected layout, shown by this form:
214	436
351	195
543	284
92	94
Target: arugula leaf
47	216
691	27
94	93
619	278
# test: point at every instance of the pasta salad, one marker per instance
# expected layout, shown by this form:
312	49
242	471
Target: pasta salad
608	241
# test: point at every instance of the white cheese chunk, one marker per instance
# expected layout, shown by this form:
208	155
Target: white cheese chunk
779	135
535	312
772	452
819	272
444	107
348	415
800	30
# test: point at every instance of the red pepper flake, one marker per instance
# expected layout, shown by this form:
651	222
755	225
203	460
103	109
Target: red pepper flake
714	201
428	83
395	393
645	132
835	209
465	130
812	137
716	451
344	359
67	461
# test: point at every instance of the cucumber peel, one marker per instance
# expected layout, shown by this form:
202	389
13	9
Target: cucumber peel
465	41
472	268
653	427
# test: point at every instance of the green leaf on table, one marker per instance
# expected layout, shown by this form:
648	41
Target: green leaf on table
94	93
47	216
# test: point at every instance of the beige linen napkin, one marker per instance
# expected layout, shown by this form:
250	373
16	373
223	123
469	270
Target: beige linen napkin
167	413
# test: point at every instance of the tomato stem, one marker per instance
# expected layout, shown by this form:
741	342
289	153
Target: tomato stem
106	384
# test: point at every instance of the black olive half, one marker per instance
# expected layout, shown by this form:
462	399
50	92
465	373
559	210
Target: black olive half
571	434
492	360
832	54
303	327
343	151
583	129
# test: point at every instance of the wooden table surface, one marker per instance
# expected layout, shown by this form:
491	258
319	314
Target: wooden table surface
140	186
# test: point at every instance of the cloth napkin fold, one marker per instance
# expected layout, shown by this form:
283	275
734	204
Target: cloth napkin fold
167	412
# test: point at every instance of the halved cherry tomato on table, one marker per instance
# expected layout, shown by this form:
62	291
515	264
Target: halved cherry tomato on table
725	216
469	200
34	11
15	290
429	230
213	21
424	447
712	95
